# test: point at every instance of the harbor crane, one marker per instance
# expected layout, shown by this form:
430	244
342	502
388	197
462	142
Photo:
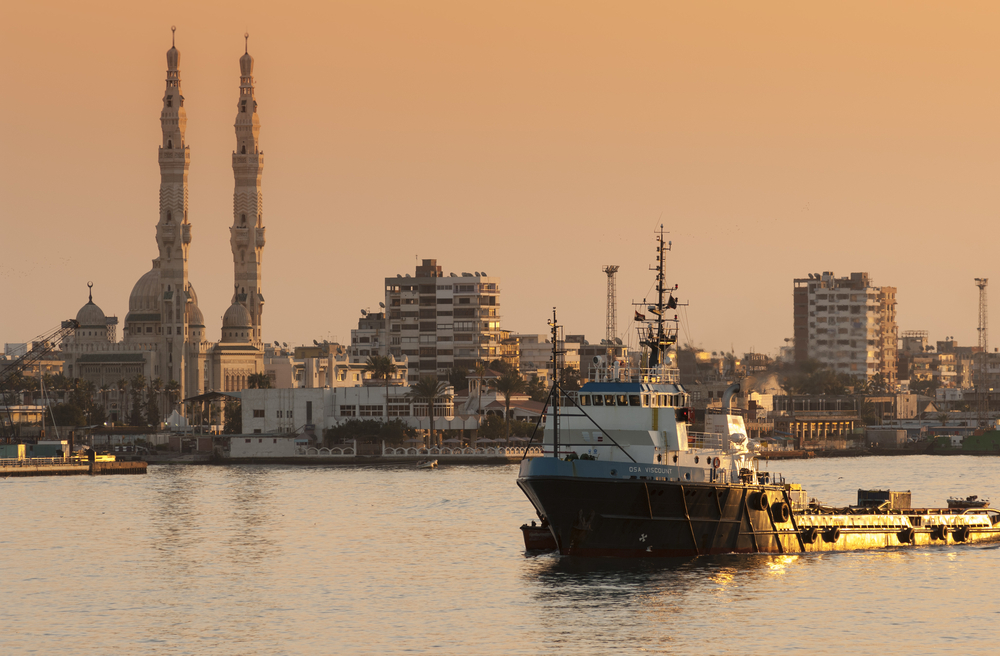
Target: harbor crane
40	347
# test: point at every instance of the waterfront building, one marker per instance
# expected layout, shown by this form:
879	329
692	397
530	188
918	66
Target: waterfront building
442	322
322	365
284	411
846	323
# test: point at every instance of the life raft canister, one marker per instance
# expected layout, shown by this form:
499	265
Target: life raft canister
716	462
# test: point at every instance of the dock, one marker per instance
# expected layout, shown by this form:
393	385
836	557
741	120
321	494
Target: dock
18	467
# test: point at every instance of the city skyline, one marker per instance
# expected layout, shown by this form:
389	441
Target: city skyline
538	143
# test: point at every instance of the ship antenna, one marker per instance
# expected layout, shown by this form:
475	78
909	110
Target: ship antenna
555	384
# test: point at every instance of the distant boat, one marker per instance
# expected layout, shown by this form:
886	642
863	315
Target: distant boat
968	502
427	464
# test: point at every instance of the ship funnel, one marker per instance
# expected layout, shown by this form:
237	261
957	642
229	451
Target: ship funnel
727	396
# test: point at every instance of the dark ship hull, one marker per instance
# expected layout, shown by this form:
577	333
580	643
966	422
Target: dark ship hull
614	516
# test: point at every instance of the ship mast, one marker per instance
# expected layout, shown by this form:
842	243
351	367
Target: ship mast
657	336
556	391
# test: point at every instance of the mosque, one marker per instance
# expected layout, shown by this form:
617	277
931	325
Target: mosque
163	336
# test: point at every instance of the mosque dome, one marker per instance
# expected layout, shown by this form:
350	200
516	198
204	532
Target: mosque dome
195	317
145	294
91	316
236	317
236	325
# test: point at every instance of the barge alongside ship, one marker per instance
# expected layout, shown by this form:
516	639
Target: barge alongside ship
622	476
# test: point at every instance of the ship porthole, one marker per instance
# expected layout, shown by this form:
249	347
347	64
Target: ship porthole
688	476
696	460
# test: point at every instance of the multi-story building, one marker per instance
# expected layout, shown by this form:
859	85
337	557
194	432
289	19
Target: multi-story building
369	338
847	324
443	321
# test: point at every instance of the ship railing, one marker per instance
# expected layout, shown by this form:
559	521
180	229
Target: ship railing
707	441
31	462
624	374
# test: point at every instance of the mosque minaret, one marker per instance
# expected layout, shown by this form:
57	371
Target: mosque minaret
164	333
247	238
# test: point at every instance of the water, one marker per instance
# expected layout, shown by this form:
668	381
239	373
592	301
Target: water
339	560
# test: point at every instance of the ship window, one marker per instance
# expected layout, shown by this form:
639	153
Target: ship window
623	399
609	399
598	399
584	399
633	400
645	399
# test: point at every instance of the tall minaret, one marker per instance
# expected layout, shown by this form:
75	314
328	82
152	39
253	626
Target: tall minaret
173	232
247	236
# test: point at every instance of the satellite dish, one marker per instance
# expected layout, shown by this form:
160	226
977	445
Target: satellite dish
381	304
485	275
364	313
817	276
277	344
618	341
452	274
315	343
478	274
285	344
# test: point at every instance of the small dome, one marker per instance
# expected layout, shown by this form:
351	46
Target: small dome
246	65
146	293
195	317
236	317
90	315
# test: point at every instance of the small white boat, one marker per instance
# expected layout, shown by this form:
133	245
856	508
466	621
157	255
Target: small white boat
427	464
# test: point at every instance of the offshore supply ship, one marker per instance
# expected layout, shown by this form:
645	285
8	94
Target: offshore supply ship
622	476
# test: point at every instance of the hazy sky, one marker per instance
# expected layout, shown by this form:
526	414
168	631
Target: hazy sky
536	141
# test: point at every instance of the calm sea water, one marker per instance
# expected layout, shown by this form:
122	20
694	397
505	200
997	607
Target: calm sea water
339	560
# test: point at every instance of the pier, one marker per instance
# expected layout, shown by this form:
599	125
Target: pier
18	467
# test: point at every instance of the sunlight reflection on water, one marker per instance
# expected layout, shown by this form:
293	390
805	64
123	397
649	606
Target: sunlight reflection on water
387	560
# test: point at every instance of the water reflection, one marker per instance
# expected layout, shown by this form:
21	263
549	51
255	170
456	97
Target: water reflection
251	493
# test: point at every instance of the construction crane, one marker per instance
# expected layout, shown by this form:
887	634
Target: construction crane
982	380
40	347
612	315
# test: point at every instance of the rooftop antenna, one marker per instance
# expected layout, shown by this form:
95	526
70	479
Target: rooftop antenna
612	312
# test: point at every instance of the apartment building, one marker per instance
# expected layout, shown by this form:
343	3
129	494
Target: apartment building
847	323
443	321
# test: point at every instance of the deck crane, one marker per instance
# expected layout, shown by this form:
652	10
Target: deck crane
41	346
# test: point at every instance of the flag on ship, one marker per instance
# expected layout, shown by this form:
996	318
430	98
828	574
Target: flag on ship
639	317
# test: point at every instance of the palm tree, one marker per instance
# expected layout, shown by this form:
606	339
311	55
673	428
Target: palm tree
508	384
156	388
430	389
173	389
122	387
480	373
138	385
381	367
104	398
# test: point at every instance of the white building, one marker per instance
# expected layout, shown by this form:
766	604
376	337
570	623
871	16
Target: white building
284	411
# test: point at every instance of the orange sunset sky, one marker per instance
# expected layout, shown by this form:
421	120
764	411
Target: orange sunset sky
535	141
